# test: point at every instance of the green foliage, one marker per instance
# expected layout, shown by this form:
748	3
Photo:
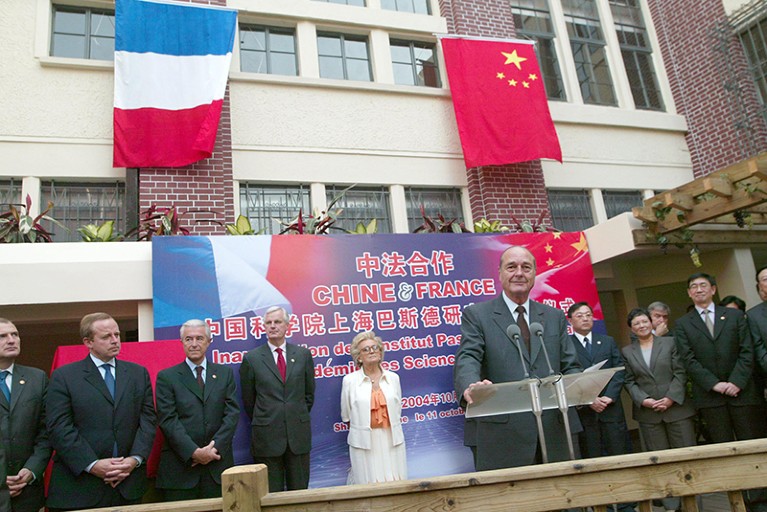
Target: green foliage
17	226
439	224
155	221
536	226
362	229
241	227
320	223
485	226
99	233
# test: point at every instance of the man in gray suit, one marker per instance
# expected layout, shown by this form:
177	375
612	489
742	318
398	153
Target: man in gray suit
23	424
198	412
757	321
277	381
487	356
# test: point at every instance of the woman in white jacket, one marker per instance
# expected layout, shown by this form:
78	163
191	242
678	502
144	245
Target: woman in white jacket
371	402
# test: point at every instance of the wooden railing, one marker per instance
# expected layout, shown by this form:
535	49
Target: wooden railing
640	477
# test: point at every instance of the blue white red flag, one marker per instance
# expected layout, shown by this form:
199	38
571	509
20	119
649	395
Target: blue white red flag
171	67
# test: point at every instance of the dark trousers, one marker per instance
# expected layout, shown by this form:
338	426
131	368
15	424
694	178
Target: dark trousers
110	499
205	488
287	472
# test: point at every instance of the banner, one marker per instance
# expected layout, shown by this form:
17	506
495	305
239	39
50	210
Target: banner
500	101
409	289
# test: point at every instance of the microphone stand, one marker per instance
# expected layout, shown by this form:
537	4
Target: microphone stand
559	388
513	332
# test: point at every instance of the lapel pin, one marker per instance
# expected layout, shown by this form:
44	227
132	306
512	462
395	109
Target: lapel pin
721	318
214	375
22	381
599	342
292	360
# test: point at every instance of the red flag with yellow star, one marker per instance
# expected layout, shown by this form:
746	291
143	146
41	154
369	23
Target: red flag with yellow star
500	102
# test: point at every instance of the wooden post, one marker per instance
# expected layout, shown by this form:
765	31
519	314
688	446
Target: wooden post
243	487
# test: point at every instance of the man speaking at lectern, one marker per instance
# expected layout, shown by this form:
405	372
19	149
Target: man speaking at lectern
487	355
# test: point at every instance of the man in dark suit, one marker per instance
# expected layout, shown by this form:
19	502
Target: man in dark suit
101	422
277	382
604	424
23	424
5	496
715	346
487	356
757	321
198	411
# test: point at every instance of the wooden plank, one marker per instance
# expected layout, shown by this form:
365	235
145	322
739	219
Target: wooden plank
645	506
717	185
679	201
733	236
736	501
206	505
689	504
244	487
601	508
644	213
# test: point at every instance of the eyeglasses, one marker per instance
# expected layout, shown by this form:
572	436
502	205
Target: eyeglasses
583	315
371	348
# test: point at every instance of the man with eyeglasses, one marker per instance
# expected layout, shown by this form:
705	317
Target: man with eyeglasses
277	382
715	346
198	411
604	424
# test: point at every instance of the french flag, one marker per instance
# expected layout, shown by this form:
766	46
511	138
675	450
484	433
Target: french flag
171	67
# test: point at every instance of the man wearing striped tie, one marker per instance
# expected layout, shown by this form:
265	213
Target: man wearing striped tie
101	423
198	412
277	381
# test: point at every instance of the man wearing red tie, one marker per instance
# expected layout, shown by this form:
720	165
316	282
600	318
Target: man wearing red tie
277	382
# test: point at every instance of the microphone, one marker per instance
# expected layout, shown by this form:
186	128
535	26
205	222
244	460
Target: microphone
513	332
537	330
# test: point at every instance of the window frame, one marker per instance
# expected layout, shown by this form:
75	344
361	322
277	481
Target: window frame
268	30
412	45
88	13
343	57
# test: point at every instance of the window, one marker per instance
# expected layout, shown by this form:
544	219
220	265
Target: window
360	3
268	50
588	46
444	201
10	193
266	205
570	210
414	6
83	33
344	57
754	40
637	54
78	204
414	64
532	20
617	202
361	204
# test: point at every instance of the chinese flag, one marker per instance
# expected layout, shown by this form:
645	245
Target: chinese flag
500	102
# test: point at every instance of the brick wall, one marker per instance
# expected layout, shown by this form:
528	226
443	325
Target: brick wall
206	185
710	83
503	192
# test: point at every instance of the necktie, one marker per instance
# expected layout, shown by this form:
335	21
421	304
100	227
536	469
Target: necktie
200	382
707	320
523	327
4	386
587	341
281	363
109	379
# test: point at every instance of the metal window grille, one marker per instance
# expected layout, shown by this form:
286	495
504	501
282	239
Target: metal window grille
444	201
588	46
359	3
570	210
344	57
361	204
270	50
414	63
83	33
637	54
78	204
414	6
753	37
266	205
532	20
10	193
617	202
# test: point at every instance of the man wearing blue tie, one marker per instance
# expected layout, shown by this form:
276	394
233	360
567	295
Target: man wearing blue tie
101	422
22	423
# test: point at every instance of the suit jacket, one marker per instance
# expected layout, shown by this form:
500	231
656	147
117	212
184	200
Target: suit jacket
84	423
507	440
757	321
728	356
279	411
355	407
602	348
665	377
24	434
190	419
5	497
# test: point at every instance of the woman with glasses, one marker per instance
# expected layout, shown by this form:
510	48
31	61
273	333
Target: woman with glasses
657	384
371	403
